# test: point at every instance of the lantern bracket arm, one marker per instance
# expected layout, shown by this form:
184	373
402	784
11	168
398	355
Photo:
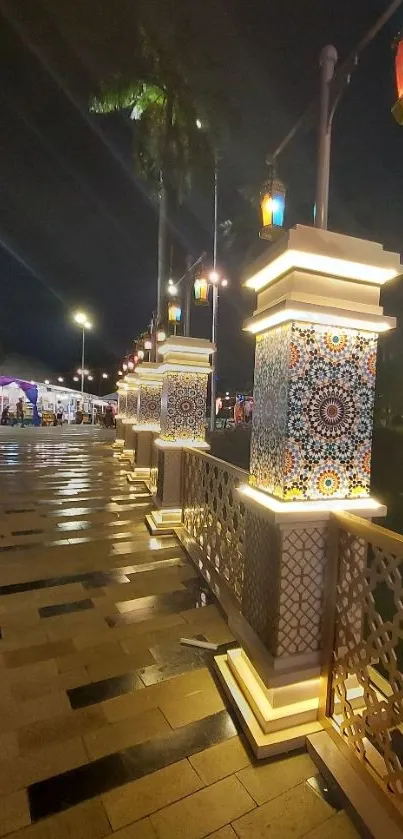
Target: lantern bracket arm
339	81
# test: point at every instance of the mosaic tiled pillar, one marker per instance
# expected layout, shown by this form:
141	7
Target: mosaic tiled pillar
121	413
147	425
130	417
316	324
185	370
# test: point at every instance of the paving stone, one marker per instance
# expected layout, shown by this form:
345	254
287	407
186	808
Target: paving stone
221	760
289	816
266	780
146	795
338	827
203	812
87	821
14	812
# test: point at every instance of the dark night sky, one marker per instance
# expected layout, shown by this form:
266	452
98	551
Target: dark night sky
76	226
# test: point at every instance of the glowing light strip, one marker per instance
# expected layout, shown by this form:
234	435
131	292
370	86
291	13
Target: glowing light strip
148	426
180	444
327	505
284	315
157	383
196	349
184	368
323	265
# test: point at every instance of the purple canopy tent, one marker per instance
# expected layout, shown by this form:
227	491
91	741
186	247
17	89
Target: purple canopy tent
30	390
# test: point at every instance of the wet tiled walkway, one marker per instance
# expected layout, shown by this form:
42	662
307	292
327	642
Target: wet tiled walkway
108	726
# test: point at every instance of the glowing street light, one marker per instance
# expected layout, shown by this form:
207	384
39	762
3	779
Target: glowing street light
60	379
105	375
76	379
172	288
82	320
47	382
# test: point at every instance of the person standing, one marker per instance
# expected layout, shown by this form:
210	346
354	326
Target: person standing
20	412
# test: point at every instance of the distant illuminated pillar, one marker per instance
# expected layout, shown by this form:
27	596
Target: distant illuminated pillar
185	370
147	424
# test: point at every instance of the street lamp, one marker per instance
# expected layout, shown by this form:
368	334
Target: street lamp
174	314
60	379
76	379
172	288
82	320
200	290
105	376
272	204
216	281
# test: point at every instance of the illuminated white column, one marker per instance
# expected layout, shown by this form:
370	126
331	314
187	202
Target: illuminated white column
121	413
316	323
148	419
185	370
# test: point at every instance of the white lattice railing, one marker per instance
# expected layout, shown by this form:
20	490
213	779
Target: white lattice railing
366	679
214	515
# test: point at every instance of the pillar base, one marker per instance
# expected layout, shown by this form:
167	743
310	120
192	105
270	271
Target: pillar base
139	473
163	522
143	456
275	720
120	438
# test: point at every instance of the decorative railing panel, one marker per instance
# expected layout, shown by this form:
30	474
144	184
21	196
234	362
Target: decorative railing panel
214	515
366	680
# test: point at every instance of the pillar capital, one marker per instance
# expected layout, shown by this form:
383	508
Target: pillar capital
316	324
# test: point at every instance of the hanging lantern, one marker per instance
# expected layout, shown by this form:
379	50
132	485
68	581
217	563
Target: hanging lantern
201	289
174	312
272	204
397	109
148	344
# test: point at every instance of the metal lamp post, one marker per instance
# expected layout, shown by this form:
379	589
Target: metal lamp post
82	320
333	84
328	60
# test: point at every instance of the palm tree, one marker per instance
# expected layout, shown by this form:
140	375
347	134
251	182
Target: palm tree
168	146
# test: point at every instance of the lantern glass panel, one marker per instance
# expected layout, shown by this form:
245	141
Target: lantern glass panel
399	69
273	203
174	313
201	289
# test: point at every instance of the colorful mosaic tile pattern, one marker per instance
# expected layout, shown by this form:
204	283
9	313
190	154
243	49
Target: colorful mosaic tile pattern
131	405
312	425
269	430
184	406
149	410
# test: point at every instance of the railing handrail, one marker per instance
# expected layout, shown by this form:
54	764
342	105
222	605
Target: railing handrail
381	537
223	464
